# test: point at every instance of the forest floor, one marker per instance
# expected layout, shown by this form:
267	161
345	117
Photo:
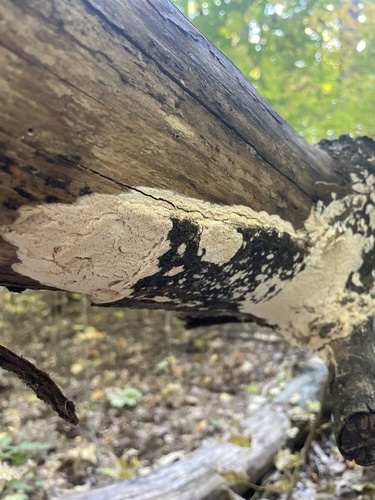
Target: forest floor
147	392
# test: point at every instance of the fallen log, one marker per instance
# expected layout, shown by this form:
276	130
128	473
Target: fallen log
198	475
140	167
108	98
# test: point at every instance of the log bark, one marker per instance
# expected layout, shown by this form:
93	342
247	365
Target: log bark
353	389
197	477
107	97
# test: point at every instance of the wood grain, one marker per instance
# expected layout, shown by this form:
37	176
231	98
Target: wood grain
100	96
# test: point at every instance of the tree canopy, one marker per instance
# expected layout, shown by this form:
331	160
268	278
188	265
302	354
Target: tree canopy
312	60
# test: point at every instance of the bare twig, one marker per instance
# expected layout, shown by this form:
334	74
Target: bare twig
41	383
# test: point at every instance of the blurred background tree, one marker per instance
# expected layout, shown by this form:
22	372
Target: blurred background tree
312	60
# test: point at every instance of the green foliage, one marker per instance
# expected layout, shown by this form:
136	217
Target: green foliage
17	454
125	467
312	60
12	475
129	397
286	460
366	487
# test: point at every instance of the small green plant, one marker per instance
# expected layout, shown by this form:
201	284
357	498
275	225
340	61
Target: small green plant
16	454
129	397
13	477
125	467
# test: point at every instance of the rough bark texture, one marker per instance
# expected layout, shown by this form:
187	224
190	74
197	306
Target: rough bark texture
196	476
103	97
353	388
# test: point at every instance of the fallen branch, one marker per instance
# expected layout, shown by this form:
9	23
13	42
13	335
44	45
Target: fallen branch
40	382
352	388
198	475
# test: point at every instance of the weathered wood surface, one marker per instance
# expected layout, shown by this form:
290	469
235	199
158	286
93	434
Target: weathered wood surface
196	476
110	96
99	96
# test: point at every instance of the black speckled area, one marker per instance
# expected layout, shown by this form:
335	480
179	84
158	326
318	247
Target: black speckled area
189	282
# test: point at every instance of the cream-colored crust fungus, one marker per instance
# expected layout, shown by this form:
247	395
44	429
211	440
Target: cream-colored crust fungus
157	246
103	244
316	306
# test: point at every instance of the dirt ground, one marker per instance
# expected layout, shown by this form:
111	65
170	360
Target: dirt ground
147	392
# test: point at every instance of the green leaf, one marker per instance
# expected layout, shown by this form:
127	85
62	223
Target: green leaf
17	458
26	446
313	406
16	496
19	485
243	440
118	398
366	487
235	477
5	441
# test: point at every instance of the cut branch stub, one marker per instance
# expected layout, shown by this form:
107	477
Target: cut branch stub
353	389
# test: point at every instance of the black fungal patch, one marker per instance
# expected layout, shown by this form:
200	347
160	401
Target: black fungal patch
361	225
356	156
209	286
325	329
365	275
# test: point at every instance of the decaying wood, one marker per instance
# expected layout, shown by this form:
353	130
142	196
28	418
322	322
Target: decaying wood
137	165
40	382
106	97
353	389
197	476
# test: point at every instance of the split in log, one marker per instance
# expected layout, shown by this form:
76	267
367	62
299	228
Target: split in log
140	167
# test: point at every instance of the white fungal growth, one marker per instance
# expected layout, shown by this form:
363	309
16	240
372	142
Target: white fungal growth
318	295
99	246
103	244
219	243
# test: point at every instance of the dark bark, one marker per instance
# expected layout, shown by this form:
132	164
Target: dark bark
353	389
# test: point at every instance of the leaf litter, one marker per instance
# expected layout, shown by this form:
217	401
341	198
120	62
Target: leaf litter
147	392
